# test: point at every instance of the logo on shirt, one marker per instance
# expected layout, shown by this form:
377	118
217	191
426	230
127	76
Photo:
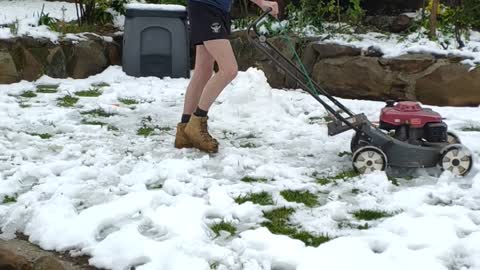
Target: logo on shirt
216	27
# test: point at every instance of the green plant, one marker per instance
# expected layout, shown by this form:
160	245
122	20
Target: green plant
355	12
45	19
43	136
145	131
14	27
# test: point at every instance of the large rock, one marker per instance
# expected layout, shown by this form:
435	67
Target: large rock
359	77
451	84
8	70
88	59
47	263
328	50
56	66
408	63
11	261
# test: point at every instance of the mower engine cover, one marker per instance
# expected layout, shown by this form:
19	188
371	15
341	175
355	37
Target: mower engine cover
407	113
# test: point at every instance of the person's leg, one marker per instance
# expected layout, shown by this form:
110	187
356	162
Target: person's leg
222	52
202	73
197	128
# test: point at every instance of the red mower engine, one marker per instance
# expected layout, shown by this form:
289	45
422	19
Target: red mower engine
412	123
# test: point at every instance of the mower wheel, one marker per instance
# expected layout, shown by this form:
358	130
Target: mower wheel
452	138
368	159
457	159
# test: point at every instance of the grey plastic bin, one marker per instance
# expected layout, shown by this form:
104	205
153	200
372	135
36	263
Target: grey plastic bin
155	42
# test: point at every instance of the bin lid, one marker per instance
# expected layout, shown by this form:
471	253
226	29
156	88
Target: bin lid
155	10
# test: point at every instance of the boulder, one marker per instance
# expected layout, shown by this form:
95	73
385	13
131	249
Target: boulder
327	50
47	263
87	59
450	85
8	70
401	23
32	68
56	66
12	261
360	77
408	63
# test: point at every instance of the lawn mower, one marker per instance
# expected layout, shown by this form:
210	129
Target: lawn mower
408	136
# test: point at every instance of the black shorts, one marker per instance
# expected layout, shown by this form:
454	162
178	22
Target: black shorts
207	22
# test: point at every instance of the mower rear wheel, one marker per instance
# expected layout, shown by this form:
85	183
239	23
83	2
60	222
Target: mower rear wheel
354	143
452	138
457	159
368	159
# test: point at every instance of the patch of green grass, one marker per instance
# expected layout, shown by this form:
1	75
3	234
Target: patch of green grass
305	197
310	239
278	224
112	128
44	136
97	113
250	179
128	101
28	94
366	214
345	153
248	145
47	89
355	191
145	131
314	119
9	199
223	226
92	92
24	105
67	101
340	176
262	198
471	128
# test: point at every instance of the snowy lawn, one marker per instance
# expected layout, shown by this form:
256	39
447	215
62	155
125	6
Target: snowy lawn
89	166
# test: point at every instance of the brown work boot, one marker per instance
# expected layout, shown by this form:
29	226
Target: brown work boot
197	132
181	139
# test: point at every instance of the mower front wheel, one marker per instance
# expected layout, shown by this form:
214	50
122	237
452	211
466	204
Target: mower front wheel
368	159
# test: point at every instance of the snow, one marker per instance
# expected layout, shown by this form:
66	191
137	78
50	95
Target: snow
166	7
90	190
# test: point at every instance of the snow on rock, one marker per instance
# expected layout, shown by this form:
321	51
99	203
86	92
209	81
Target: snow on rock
128	200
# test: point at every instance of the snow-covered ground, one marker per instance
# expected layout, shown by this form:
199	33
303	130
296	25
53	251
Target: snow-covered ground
127	200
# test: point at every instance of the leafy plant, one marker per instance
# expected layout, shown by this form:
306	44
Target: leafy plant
262	198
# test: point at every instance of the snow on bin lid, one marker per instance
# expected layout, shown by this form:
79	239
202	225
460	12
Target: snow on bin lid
165	7
155	10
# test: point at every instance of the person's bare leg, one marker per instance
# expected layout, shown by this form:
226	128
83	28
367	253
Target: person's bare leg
222	52
202	73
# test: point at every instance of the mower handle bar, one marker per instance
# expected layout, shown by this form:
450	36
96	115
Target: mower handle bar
266	43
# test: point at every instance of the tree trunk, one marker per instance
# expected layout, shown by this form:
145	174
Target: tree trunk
433	19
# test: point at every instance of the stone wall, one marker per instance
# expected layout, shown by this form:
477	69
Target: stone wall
345	71
26	58
352	73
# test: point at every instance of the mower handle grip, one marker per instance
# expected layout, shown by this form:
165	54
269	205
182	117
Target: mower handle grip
255	23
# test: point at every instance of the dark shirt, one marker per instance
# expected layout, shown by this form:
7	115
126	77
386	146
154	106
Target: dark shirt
224	5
